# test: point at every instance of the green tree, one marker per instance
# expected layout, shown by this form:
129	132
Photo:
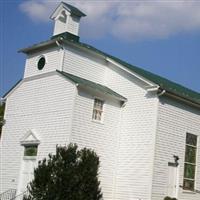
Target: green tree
70	174
2	109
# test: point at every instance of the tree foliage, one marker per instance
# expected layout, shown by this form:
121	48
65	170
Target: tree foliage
2	109
70	174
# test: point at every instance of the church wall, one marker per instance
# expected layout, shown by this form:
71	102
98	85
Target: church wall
84	65
175	119
103	136
138	126
137	136
45	105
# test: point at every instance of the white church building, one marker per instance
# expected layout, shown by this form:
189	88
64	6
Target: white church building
145	128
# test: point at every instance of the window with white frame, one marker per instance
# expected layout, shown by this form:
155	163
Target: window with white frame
97	110
190	162
30	150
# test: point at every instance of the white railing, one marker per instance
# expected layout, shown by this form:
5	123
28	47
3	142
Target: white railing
20	196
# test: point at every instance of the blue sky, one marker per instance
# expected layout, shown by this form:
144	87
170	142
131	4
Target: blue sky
163	38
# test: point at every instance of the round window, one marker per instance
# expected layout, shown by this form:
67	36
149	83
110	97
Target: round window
41	63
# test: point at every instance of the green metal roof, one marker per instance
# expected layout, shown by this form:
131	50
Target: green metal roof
95	86
74	10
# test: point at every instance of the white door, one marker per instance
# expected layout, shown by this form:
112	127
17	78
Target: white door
26	174
172	181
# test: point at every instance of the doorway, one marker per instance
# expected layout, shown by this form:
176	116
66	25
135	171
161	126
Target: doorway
173	180
27	167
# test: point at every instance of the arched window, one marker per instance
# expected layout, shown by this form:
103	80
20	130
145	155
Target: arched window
63	17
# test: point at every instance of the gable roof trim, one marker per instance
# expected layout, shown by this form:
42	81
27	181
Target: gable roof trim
34	140
175	96
12	89
150	83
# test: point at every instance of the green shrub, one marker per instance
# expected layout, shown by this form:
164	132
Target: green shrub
169	198
2	109
70	174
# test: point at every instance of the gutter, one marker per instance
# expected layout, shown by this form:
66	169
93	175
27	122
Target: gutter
162	92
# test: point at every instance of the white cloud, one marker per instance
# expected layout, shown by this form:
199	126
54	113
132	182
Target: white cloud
126	20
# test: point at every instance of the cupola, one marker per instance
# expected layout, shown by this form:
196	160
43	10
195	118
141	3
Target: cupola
67	19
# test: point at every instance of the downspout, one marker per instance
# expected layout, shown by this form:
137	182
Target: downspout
161	93
117	151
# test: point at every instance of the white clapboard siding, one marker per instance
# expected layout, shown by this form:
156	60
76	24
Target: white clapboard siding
84	65
44	105
100	136
174	121
136	140
53	58
73	25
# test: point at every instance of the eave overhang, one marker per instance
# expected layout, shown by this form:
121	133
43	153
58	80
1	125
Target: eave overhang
40	46
84	83
12	89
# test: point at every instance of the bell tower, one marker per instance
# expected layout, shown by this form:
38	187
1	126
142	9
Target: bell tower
67	19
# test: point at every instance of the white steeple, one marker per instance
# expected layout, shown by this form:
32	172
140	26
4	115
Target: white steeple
66	19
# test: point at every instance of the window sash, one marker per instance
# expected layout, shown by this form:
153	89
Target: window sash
190	154
189	171
97	115
191	139
190	162
98	104
30	150
100	110
97	110
188	184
